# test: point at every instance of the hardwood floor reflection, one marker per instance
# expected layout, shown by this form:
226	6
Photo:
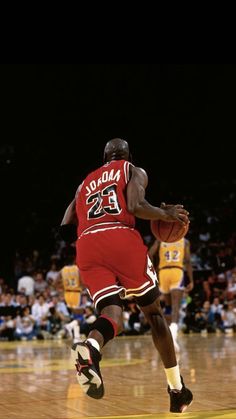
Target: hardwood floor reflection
37	380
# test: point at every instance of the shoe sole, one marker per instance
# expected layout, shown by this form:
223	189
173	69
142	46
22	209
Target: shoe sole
88	379
185	406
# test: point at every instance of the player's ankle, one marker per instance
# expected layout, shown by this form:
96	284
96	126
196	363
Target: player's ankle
173	378
94	343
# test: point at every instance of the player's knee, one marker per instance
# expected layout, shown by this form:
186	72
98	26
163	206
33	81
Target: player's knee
114	312
157	322
153	314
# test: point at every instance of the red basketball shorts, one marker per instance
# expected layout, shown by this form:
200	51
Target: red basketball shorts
115	261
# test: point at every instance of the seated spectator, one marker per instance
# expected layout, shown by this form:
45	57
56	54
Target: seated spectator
85	300
126	326
89	318
22	301
40	312
134	323
205	318
7	328
31	300
8	300
40	284
200	321
193	307
60	307
231	288
216	306
24	326
53	272
216	309
8	312
228	315
144	324
55	323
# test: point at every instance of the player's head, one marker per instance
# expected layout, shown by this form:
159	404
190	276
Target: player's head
116	149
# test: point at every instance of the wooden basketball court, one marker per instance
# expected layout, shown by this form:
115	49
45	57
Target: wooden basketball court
37	380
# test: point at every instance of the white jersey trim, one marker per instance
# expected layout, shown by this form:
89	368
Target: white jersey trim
103	227
121	289
105	289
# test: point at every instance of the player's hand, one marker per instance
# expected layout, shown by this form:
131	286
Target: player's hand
175	213
189	287
164	205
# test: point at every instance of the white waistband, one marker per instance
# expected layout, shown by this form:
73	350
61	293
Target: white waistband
103	227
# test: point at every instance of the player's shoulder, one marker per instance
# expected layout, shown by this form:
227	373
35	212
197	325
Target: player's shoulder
140	174
142	171
139	170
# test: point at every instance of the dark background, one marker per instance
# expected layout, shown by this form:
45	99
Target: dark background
178	119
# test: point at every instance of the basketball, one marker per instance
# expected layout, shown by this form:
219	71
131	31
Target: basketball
168	232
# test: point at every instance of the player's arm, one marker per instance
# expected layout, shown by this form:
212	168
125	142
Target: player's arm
153	249
188	265
153	252
140	207
58	284
70	214
68	227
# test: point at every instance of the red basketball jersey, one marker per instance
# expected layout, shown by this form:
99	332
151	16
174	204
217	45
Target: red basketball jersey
101	200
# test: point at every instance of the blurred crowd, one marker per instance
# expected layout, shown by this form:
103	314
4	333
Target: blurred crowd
32	307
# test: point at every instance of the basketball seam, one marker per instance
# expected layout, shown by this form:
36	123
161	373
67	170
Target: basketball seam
170	231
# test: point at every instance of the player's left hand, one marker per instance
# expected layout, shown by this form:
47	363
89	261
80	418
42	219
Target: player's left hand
167	206
175	213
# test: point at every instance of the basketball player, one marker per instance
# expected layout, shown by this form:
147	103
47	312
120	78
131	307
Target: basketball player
114	264
170	259
69	279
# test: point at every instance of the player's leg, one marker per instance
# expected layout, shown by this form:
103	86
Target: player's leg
160	333
166	278
87	355
176	297
176	290
72	300
138	277
110	322
95	256
164	286
167	306
180	396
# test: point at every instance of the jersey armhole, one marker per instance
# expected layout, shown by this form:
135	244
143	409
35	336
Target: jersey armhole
127	165
78	190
